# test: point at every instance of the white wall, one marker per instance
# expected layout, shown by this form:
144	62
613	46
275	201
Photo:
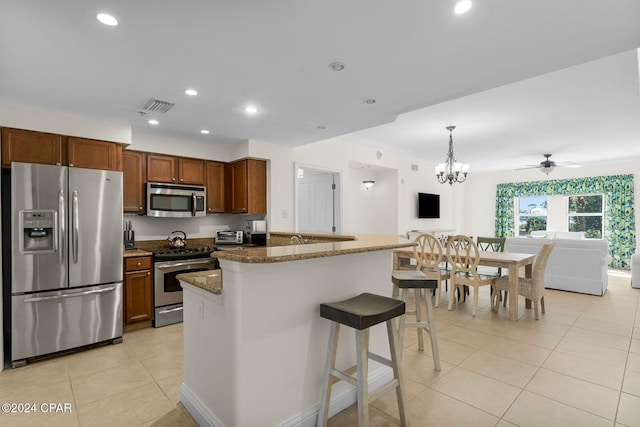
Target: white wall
337	154
22	117
200	149
479	192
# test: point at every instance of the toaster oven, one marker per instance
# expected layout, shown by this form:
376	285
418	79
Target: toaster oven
229	238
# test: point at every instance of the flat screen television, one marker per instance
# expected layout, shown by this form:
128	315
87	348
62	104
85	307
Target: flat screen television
428	205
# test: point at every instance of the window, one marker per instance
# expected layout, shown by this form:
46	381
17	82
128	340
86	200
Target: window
532	214
584	213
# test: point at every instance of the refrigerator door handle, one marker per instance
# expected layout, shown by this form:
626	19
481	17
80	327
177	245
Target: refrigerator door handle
62	220
76	294
76	227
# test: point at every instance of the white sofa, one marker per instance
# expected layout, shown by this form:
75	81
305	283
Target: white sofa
577	265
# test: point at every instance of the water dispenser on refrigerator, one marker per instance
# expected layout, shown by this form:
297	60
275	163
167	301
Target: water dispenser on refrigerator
37	231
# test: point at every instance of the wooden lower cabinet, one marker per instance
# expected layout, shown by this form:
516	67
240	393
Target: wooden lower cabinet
138	292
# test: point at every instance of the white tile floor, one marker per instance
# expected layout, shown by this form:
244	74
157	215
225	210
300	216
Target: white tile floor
579	365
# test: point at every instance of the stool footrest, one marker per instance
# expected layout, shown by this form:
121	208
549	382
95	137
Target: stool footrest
380	359
344	377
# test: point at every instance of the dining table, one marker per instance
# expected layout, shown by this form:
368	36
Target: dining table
512	261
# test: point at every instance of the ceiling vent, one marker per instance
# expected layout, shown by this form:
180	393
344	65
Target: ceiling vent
414	167
157	106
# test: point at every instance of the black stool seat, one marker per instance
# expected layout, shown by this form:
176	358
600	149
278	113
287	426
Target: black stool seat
412	279
363	311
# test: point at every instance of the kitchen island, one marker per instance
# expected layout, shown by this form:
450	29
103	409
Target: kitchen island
254	350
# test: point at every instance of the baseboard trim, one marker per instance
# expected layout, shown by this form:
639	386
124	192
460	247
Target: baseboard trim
340	400
203	416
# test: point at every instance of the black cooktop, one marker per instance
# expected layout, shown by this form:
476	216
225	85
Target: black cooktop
183	253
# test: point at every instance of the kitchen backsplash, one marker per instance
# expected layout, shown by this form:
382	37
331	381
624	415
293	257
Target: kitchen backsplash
150	228
157	245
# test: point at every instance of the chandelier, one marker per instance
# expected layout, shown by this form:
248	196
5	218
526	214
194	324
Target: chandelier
451	171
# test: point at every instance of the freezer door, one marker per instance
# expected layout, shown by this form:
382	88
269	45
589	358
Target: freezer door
41	187
95	227
48	322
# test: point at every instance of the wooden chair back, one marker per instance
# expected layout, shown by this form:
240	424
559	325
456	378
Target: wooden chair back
540	264
495	244
463	255
428	252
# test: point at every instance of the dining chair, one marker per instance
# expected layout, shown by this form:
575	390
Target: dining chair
495	244
429	254
531	288
463	256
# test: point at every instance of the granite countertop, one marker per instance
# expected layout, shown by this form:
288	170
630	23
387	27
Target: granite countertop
209	280
129	253
333	245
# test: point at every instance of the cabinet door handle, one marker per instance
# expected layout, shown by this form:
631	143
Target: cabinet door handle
140	207
139	264
181	180
173	179
148	273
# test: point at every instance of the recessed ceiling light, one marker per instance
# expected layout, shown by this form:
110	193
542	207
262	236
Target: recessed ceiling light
251	109
462	6
369	101
204	132
337	66
153	122
107	19
191	92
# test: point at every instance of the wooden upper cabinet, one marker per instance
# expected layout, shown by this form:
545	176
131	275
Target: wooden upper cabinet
174	170
249	186
191	171
93	154
161	168
215	187
133	181
31	147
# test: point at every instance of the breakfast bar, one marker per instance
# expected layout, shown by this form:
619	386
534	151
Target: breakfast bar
255	344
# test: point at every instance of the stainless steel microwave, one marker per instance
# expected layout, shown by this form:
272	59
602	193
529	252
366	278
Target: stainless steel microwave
175	201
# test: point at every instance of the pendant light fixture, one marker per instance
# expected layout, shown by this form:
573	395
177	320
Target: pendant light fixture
451	171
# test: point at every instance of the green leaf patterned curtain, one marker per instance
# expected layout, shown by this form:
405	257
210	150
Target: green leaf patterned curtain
619	218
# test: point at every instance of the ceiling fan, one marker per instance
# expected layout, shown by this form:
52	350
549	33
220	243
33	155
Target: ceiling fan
548	165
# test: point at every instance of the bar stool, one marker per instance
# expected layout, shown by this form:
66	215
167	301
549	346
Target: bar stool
403	280
360	313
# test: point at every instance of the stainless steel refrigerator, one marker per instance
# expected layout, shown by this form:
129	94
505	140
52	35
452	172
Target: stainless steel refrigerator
66	258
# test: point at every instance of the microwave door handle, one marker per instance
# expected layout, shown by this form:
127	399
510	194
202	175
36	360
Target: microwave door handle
194	200
62	220
74	237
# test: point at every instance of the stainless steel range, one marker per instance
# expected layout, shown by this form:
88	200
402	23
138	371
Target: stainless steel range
167	292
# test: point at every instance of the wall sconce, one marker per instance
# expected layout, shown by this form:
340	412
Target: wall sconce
368	184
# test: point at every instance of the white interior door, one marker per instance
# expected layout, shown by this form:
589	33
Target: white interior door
317	200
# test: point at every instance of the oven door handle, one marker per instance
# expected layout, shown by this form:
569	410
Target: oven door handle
182	264
171	310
